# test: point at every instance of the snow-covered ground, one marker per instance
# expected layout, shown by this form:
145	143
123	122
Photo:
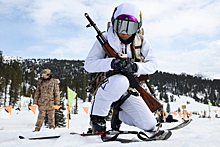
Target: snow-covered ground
202	132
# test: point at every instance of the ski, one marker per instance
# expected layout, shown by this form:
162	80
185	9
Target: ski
177	127
122	140
113	136
106	136
158	134
57	136
182	125
142	137
40	138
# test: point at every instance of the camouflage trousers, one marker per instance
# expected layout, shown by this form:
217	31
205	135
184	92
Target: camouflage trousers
41	115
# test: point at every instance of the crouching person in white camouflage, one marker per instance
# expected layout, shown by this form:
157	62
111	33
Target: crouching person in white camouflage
47	94
124	38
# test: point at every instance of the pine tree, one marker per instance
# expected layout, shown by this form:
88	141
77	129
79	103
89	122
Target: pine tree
24	90
90	98
168	107
212	97
84	85
171	98
76	106
6	81
166	98
161	96
59	116
1	78
14	76
195	96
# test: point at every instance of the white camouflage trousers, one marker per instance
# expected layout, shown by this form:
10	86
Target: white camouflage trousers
134	112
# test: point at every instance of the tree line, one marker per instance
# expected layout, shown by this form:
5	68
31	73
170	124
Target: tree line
19	78
200	89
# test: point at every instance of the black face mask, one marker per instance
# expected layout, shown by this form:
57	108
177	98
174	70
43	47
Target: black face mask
129	40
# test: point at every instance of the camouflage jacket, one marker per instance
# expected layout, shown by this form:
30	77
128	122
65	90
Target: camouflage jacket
47	92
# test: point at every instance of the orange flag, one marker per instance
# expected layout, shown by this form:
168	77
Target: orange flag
179	114
201	111
86	109
215	111
56	106
196	112
166	113
68	109
190	114
159	113
33	109
205	111
173	113
8	108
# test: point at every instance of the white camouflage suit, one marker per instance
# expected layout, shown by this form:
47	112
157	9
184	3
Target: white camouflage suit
134	112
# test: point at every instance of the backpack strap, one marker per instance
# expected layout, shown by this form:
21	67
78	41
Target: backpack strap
136	46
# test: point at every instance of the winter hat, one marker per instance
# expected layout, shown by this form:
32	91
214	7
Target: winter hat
45	72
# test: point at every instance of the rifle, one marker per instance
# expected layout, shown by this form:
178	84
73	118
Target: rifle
151	102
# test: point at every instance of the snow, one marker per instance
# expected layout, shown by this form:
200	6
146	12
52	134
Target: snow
202	132
9	58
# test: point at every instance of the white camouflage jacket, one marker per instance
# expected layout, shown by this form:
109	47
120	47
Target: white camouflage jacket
96	61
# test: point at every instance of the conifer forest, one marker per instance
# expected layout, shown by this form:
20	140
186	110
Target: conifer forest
19	77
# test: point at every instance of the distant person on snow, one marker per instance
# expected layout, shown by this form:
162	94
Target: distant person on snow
47	94
122	36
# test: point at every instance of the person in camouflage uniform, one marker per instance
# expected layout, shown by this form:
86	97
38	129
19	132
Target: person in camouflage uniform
47	94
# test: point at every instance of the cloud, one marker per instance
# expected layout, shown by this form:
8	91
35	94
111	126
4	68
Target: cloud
169	19
36	48
183	34
191	61
72	48
161	18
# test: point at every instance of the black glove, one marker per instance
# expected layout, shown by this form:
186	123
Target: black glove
131	68
117	64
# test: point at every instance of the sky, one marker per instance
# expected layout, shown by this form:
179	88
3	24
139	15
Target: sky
184	34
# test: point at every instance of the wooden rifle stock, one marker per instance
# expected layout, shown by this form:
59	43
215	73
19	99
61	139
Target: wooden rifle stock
151	102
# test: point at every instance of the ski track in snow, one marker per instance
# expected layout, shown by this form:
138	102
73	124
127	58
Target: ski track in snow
202	132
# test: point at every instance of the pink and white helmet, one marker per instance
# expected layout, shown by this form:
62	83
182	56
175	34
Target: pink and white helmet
127	18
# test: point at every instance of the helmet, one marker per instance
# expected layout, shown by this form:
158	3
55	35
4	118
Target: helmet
127	18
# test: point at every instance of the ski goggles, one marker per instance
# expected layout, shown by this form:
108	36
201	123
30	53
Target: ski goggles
126	23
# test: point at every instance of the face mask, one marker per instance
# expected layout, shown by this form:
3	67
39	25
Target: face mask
45	75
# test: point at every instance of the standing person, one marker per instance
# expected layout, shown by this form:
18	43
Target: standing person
47	94
122	36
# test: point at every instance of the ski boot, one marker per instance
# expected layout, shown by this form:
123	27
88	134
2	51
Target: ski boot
98	123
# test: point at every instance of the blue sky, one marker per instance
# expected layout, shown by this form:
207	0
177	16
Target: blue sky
184	34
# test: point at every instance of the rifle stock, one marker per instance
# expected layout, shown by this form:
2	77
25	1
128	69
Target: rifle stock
151	102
